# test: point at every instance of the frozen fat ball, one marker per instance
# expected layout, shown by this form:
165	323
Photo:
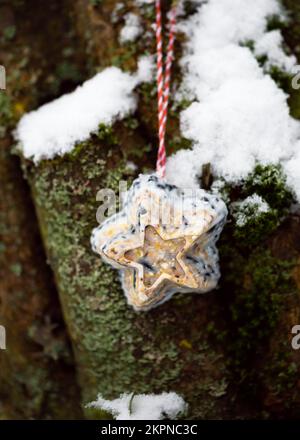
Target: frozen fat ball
163	241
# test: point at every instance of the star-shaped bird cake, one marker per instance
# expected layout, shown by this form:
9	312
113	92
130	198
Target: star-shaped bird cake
163	241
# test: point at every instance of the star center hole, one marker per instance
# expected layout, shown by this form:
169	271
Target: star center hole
158	256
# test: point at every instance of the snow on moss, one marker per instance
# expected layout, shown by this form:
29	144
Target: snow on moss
143	2
270	45
238	116
143	406
56	127
250	208
132	28
146	68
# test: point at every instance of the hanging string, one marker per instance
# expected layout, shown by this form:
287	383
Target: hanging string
163	82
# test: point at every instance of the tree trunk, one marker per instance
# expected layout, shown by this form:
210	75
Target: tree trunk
37	373
228	353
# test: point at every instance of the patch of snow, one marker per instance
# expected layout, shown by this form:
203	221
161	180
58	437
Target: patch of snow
270	45
131	166
238	116
146	68
117	12
132	28
142	406
217	188
252	207
144	2
56	127
292	170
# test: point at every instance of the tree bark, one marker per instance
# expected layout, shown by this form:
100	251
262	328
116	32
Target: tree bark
37	373
228	353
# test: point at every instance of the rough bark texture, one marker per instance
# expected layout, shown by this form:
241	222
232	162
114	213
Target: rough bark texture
227	353
37	372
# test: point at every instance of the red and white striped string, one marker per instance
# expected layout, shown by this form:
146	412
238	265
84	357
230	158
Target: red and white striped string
163	83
